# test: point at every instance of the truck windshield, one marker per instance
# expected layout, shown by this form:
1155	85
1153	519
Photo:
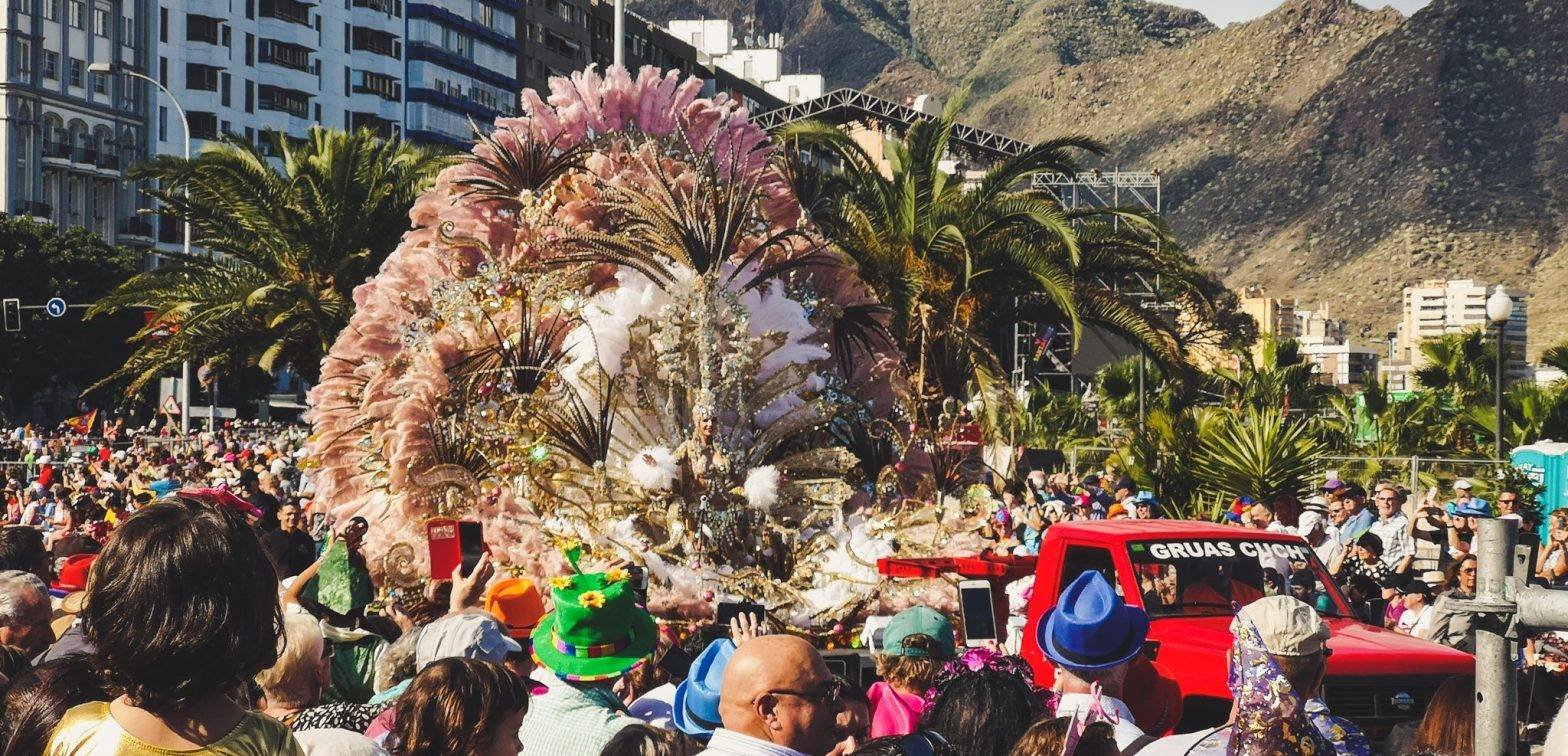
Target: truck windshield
1203	577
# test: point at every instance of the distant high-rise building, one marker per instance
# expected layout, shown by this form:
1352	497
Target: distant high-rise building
462	66
69	133
1438	307
1275	317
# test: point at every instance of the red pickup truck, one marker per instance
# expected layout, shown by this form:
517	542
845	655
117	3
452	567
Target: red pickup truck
1186	575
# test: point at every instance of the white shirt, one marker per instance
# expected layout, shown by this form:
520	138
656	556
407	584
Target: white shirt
1177	745
731	743
1079	704
1394	532
1415	623
1328	550
655	707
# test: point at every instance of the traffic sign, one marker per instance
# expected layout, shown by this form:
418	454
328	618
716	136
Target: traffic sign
55	307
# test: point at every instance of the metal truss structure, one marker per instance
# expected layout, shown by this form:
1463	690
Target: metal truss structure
848	105
1089	190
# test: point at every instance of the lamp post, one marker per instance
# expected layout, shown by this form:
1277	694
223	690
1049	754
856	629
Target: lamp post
1499	308
108	69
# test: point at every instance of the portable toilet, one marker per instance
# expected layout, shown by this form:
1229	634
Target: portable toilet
1546	462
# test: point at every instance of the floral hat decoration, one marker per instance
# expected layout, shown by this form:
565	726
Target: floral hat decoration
596	630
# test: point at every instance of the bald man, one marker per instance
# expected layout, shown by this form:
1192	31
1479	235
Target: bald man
777	699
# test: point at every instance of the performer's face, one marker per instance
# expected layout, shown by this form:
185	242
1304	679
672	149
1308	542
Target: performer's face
705	428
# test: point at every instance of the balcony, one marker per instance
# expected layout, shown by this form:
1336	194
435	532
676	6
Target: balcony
286	10
107	162
286	55
377	42
389	7
57	150
39	210
136	228
86	156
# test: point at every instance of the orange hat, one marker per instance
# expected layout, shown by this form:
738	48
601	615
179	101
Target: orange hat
1115	511
517	603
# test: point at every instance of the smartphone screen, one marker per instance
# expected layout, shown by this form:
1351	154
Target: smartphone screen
471	540
979	620
728	610
676	663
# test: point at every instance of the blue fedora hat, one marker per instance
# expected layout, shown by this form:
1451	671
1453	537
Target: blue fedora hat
695	709
1091	628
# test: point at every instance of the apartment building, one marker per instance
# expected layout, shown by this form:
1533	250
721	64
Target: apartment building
66	133
1275	316
462	67
1437	307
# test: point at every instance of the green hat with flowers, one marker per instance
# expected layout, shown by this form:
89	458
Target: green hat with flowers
596	630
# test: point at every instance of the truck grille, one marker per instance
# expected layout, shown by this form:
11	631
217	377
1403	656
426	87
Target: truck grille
1379	703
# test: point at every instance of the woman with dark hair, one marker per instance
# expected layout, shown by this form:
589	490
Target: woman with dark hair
647	740
182	607
1449	625
36	701
458	705
983	711
1448	728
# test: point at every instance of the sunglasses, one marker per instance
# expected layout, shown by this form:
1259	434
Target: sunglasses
833	692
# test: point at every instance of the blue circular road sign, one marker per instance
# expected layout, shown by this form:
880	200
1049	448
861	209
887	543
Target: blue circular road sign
55	307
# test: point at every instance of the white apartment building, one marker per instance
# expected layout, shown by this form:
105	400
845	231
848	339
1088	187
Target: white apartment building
66	133
757	59
1437	307
248	67
1344	364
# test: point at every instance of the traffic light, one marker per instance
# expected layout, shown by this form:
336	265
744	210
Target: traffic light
13	314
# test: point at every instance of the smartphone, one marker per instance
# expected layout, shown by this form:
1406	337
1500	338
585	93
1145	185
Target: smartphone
974	601
639	581
728	610
676	663
471	544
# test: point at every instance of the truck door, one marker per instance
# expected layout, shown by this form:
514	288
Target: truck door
1080	558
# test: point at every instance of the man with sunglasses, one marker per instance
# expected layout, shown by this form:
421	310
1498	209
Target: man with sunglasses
777	698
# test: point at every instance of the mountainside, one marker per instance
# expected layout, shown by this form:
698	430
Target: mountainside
1325	150
1337	153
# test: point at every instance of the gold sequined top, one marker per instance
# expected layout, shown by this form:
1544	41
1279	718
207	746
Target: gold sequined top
88	729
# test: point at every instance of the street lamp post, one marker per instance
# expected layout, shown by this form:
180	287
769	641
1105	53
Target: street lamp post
108	69
1499	308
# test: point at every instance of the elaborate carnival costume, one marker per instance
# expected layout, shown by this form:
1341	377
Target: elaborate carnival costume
613	324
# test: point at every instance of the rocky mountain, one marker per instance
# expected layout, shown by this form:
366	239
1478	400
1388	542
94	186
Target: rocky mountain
1324	150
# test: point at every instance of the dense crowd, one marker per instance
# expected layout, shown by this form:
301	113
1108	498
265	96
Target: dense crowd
163	595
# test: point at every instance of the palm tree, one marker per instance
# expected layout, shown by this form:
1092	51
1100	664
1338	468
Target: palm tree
284	249
1276	376
951	258
1459	365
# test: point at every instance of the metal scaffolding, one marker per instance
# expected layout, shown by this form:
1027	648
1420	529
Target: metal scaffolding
848	105
1089	190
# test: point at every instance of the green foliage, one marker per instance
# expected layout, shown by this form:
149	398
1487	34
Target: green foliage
288	249
38	261
1162	455
1050	420
951	259
1275	376
1260	453
1460	366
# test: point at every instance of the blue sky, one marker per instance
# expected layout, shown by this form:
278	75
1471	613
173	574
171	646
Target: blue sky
1223	12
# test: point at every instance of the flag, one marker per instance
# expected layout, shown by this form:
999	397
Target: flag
171	406
82	424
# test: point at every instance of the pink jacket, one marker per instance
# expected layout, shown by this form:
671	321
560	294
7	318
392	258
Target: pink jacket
892	712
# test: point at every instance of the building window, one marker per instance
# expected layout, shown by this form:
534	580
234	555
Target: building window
283	54
24	58
163	24
76	72
163	124
203	125
291	11
250	49
381	85
75	11
202	77
101	22
250	96
202	28
374	41
52	10
223	90
128	31
289	101
100	83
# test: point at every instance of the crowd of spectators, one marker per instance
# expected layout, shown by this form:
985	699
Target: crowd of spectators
164	595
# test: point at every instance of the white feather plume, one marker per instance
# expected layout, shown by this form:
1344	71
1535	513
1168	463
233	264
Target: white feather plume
762	487
653	468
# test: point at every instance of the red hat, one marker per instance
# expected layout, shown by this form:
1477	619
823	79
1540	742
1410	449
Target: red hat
73	574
